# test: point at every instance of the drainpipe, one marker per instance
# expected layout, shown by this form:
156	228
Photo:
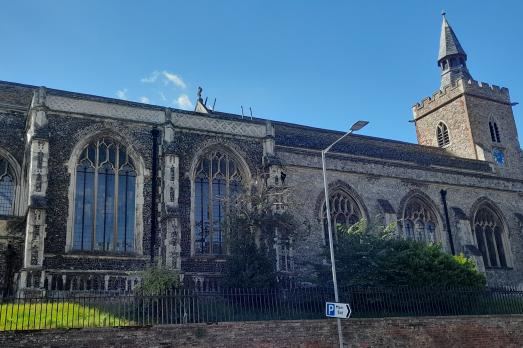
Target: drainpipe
447	220
154	182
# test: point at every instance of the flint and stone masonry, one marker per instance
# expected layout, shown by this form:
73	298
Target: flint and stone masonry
93	190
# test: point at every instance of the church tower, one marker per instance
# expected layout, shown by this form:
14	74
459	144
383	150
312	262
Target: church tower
468	118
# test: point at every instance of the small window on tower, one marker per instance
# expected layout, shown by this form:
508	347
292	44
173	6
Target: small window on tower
494	132
442	133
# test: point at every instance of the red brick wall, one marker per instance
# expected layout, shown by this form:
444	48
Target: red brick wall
480	331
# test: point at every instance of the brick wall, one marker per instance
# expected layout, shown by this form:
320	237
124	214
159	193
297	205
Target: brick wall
491	331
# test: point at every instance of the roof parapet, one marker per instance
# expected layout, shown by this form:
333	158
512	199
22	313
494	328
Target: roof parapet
461	86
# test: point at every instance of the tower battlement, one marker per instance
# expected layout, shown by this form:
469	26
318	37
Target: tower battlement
449	92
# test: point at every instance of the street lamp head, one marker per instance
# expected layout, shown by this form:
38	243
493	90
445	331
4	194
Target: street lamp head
358	125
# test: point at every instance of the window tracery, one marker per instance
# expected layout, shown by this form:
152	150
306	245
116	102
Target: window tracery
104	212
489	236
344	212
419	222
216	180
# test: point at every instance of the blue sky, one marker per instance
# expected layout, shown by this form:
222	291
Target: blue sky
318	63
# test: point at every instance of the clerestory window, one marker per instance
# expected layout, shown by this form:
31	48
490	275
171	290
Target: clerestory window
217	179
442	134
104	205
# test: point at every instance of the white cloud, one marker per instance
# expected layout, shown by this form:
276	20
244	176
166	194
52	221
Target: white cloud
122	94
183	102
151	78
145	100
162	96
174	79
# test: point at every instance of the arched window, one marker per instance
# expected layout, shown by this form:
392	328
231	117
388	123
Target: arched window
104	206
489	235
7	188
344	212
494	132
442	133
419	222
217	178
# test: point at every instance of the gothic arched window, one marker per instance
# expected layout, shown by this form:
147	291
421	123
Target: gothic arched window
489	235
7	188
104	205
344	212
442	133
419	222
494	132
216	179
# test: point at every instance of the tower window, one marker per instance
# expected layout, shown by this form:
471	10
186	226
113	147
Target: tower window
494	132
442	133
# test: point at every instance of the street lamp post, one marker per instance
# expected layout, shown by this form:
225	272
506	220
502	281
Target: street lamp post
355	127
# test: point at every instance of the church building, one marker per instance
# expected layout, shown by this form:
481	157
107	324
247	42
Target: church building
94	189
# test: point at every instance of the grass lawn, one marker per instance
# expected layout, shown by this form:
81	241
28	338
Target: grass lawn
55	315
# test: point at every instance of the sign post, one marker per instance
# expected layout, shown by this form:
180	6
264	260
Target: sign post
338	310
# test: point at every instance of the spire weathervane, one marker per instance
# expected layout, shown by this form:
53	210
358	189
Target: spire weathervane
443	13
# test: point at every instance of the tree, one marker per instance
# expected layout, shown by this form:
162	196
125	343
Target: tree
371	255
252	222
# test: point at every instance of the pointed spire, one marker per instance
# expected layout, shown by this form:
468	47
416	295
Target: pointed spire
448	42
452	58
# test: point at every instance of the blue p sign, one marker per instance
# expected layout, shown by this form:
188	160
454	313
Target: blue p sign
331	309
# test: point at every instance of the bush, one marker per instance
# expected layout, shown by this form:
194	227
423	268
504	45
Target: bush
373	256
249	267
157	280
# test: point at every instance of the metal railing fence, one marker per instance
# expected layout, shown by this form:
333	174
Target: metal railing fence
78	310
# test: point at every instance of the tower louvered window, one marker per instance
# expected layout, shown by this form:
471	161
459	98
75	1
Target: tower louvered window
442	135
494	132
104	217
7	188
217	178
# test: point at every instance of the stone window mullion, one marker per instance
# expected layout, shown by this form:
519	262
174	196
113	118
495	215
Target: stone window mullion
95	196
494	242
210	206
115	201
486	246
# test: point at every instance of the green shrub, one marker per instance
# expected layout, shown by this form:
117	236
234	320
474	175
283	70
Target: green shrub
374	256
156	280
